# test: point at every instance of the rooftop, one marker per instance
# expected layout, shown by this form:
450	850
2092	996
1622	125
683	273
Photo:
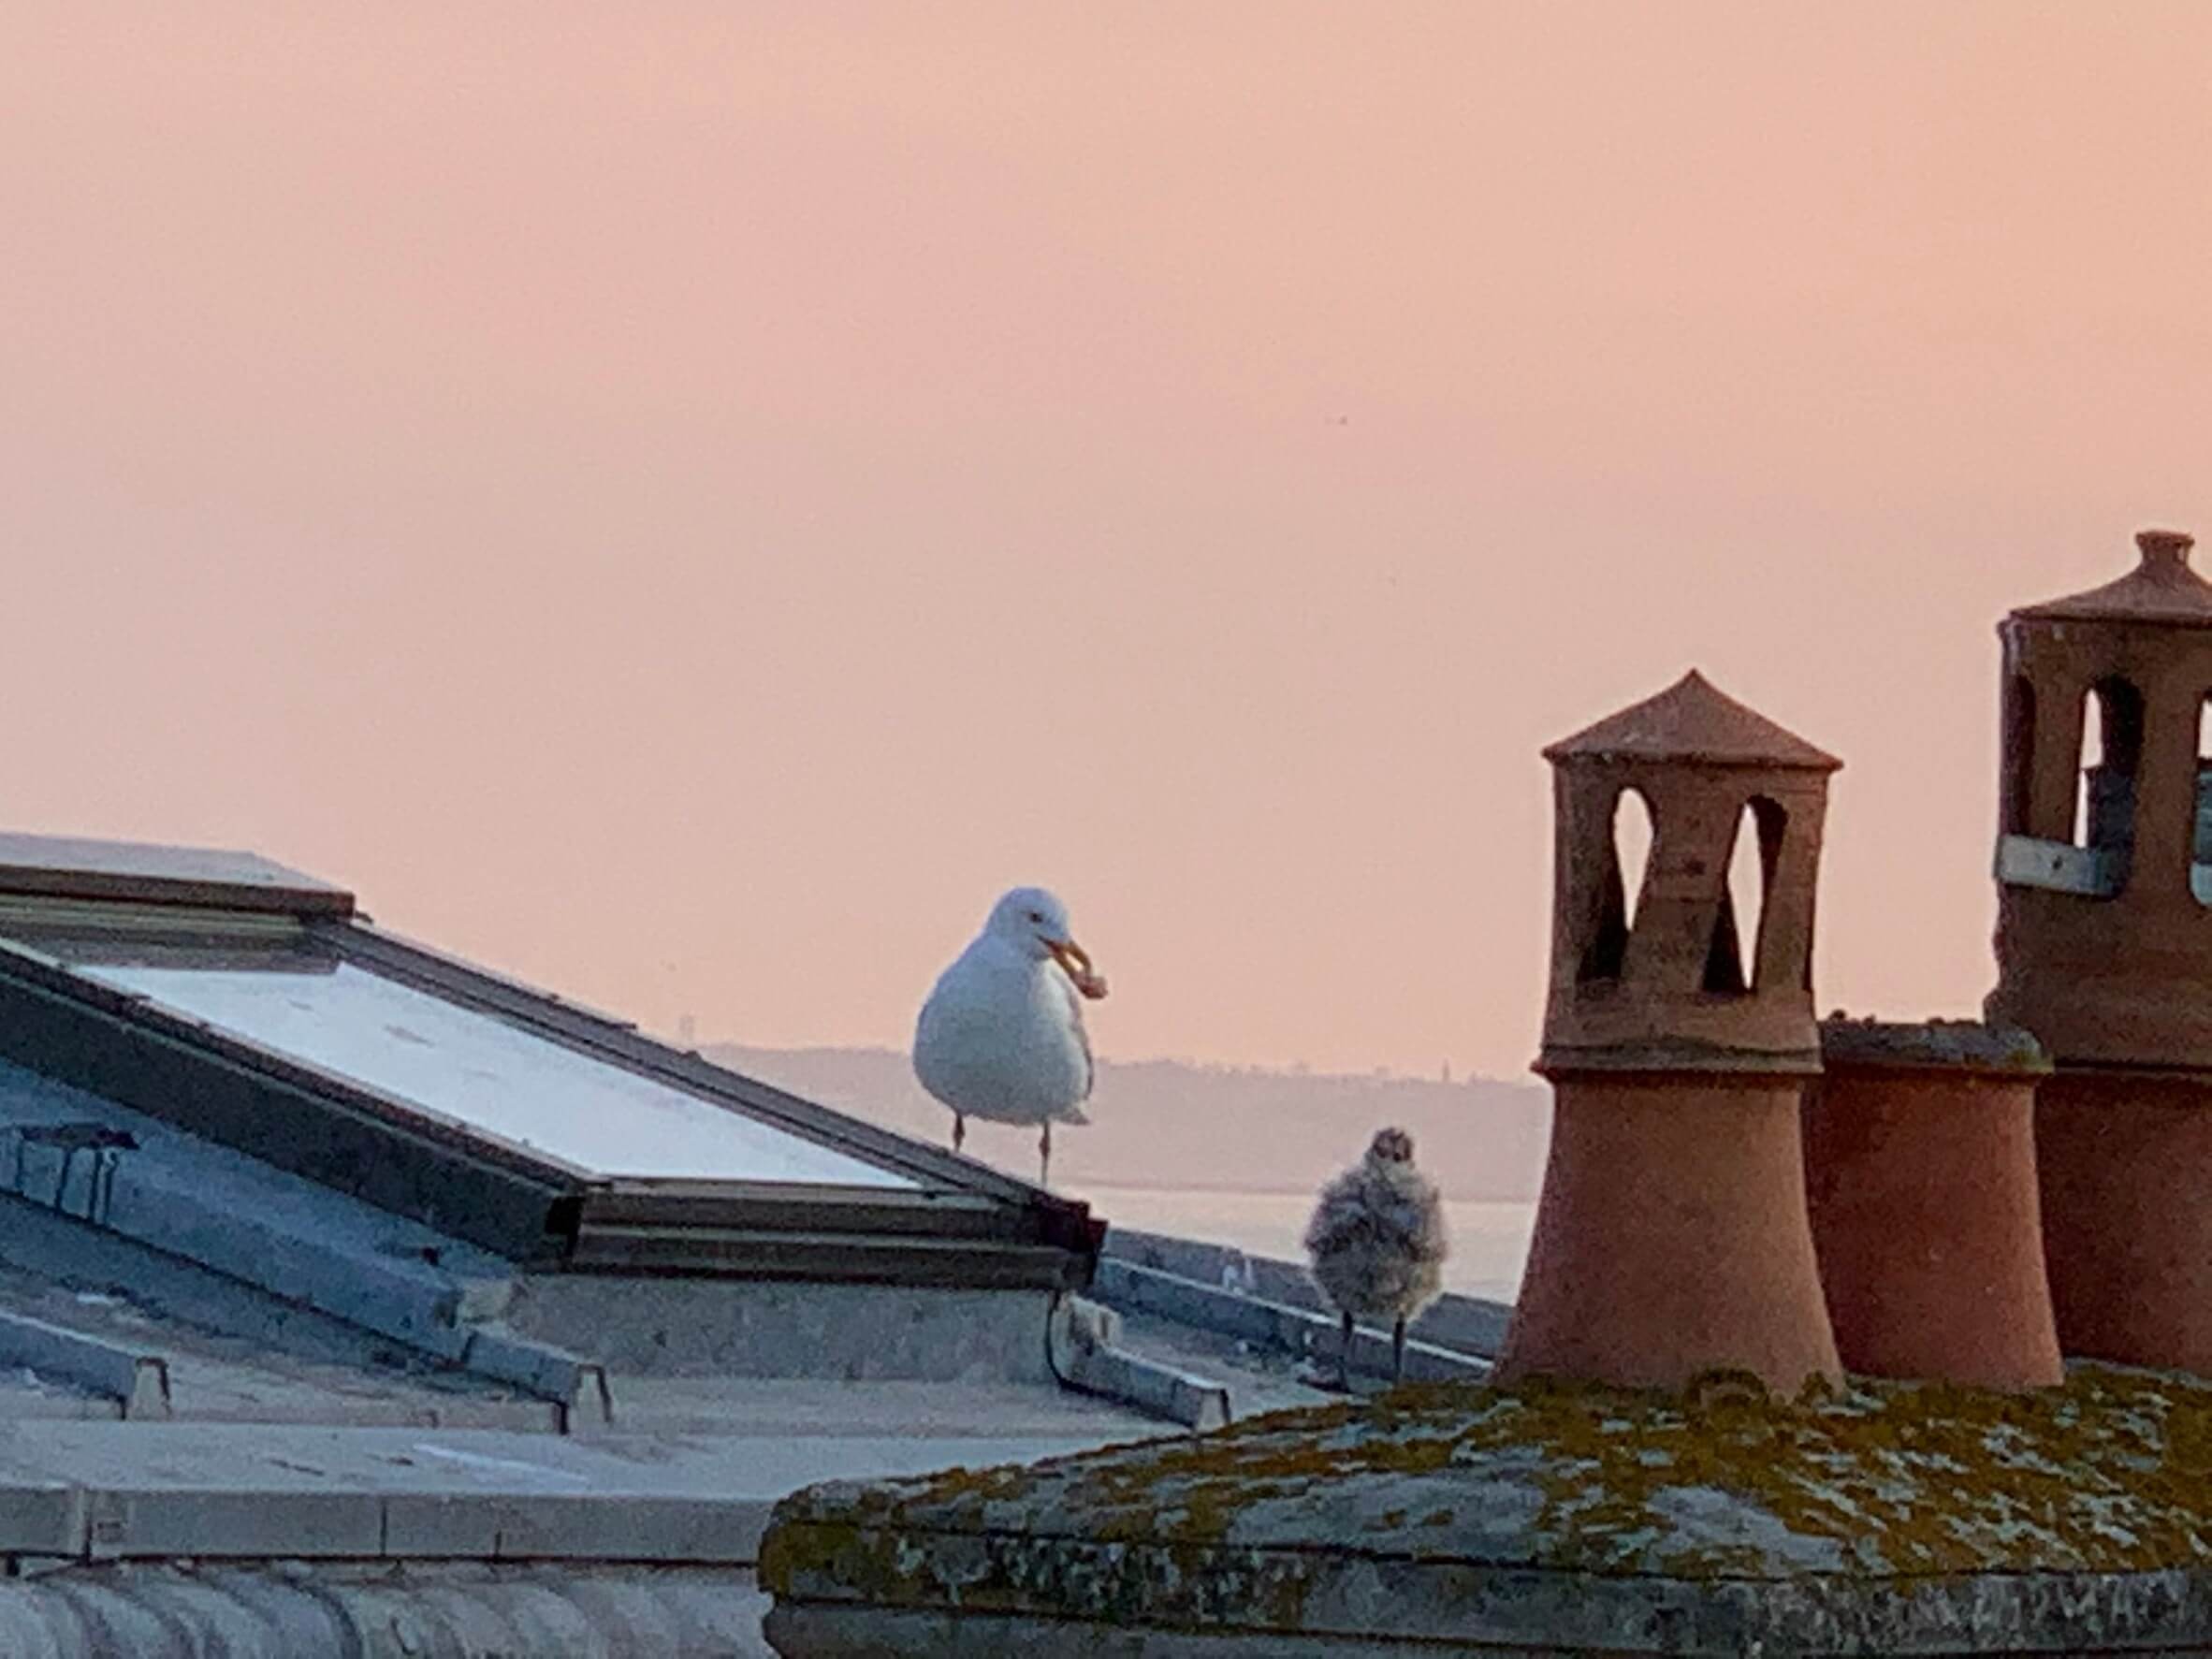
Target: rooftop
326	1246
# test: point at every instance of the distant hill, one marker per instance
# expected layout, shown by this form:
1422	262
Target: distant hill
1165	1123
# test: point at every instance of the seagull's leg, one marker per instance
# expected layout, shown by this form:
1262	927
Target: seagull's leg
1344	1353
959	1130
1398	1351
1044	1156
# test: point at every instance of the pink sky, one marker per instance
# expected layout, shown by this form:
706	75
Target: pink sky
686	503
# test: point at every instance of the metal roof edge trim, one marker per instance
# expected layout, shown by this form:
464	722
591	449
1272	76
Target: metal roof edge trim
811	1209
279	889
911	1261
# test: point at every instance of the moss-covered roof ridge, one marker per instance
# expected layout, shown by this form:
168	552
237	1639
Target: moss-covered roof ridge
2109	1474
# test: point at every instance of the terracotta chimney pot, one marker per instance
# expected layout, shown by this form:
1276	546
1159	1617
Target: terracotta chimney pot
2104	948
1920	1177
1672	1237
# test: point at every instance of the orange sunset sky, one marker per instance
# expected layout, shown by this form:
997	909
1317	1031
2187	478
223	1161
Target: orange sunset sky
685	503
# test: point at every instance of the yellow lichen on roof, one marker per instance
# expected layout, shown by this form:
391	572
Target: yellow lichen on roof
2106	1474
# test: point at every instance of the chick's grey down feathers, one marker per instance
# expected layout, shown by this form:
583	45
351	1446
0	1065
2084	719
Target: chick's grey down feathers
1376	1239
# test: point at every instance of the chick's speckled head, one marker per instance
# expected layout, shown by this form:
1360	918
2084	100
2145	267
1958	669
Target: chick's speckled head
1390	1146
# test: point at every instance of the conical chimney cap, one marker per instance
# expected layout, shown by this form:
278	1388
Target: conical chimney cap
1690	721
2160	589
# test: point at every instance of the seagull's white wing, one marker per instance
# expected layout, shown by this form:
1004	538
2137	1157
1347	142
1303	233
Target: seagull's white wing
1082	1038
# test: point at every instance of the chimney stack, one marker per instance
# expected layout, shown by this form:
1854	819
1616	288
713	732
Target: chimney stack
2104	947
1672	1236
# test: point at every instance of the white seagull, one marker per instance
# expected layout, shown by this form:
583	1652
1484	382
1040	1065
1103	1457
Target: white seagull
1001	1035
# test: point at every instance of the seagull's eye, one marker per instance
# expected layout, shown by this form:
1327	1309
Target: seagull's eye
1036	915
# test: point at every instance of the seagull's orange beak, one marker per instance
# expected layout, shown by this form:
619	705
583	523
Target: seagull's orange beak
1076	962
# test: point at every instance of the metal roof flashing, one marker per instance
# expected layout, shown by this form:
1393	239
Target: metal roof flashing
78	867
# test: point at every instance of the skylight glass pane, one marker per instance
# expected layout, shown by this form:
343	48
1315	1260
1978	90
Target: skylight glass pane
484	1073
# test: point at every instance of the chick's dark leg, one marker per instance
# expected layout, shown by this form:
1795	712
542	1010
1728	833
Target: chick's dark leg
1398	1351
1344	1353
1044	1156
959	1130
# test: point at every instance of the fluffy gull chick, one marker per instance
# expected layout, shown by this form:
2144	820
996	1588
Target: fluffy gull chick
1001	1035
1376	1243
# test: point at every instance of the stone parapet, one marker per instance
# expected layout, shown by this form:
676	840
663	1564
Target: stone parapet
1887	1519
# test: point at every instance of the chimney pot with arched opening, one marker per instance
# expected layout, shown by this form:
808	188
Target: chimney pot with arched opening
2104	947
1681	972
1672	1237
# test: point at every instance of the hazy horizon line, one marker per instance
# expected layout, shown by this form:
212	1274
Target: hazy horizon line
1280	1069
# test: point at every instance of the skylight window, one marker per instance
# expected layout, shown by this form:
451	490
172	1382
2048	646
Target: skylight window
484	1072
